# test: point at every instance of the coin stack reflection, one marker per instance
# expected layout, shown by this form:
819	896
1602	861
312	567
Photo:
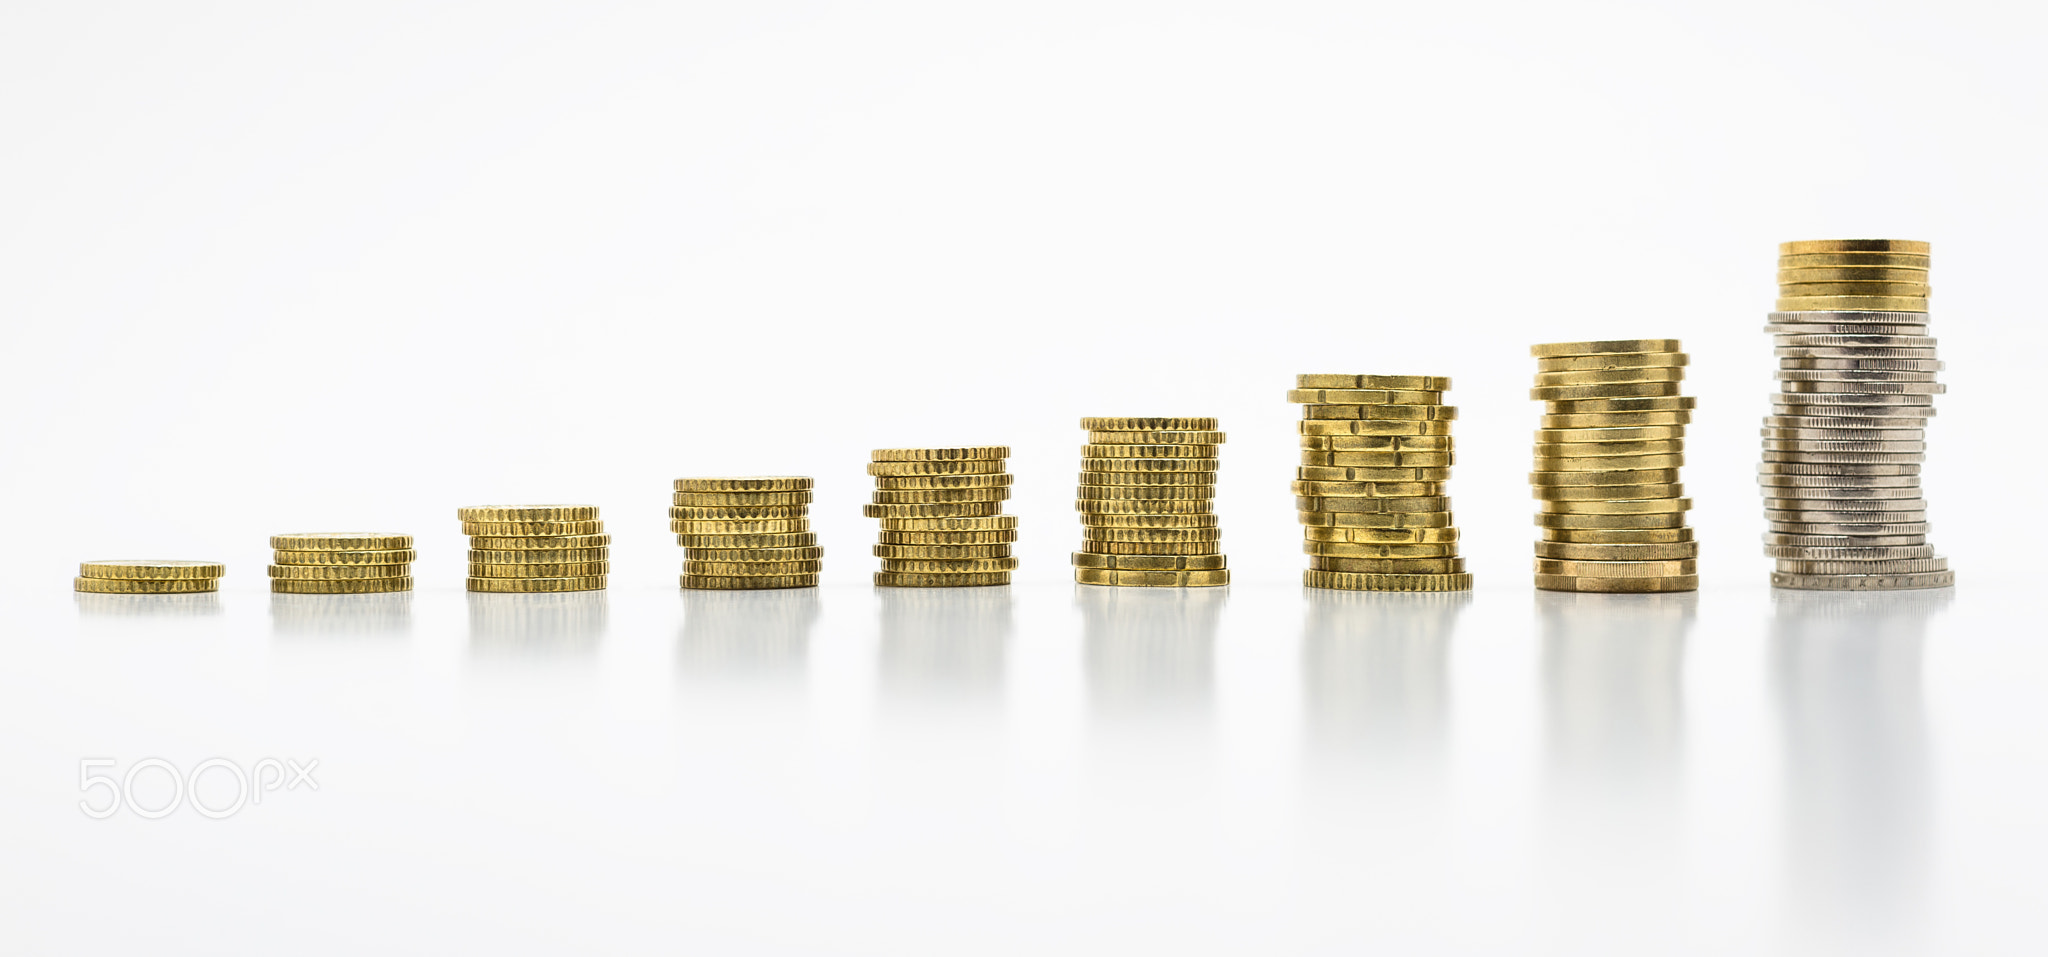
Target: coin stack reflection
941	514
341	563
1845	439
1606	468
127	576
1375	454
746	533
1146	498
536	548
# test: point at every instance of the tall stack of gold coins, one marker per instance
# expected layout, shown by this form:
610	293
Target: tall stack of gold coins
1846	435
1147	503
1607	460
941	513
341	563
536	548
1375	454
133	576
742	534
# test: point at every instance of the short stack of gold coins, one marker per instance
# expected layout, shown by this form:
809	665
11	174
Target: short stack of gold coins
536	548
135	576
1606	469
1375	454
941	513
1147	503
341	563
1843	445
746	533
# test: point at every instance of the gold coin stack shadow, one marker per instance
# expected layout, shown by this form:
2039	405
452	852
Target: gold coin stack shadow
1147	503
341	563
1606	468
536	548
941	513
1375	454
134	576
744	534
1844	443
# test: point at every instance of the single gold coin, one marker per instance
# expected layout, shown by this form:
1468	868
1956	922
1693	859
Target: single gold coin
961	566
151	569
901	482
809	553
339	541
1808	246
1852	304
541	543
538	556
1379	413
1571	448
1603	347
1154	534
1156	438
1605	493
1149	465
527	513
346	586
1349	581
1618	536
936	496
1152	579
1387	566
957	454
749	540
1331	535
1648	506
1366	489
1650	476
936	552
1382	459
694	568
1631	585
1340	473
1917	261
1618	553
1661	520
145	586
1853	274
531	529
1611	376
961	467
694	513
739	499
549	570
1105	506
1137	520
1150	563
770	526
1602	436
898	580
1376	519
948	510
1426	383
1605	462
1663	403
1381	549
1355	444
1896	290
395	556
1152	548
1342	435
1613	362
1093	452
948	538
1420	503
1144	424
1615	420
759	483
983	523
1622	390
338	572
1365	396
1114	479
748	582
1118	493
1584	569
536	585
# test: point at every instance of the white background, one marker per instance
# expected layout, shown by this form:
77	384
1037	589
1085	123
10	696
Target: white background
281	267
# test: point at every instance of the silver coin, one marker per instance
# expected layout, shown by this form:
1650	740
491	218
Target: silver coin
1842	422
1846	435
1884	318
1863	389
1780	518
1855	341
1841	494
1841	329
1817	445
1842	469
1855	353
1795	364
1796	504
1854	376
1861	416
1889	566
1879	529
1800	397
1776	539
1850	553
1845	458
1863	582
1887	483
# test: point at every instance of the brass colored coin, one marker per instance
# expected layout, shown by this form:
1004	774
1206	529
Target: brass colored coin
1334	473
762	483
1605	493
1831	274
930	552
1381	549
770	526
961	566
1629	585
1426	383
1660	403
1150	563
554	570
1605	462
948	538
1594	377
1863	582
1653	433
1152	579
1898	290
694	568
1894	566
1617	553
531	529
527	513
1618	536
348	586
1093	452
1575	449
1614	420
1617	390
1154	534
1866	260
1390	459
145	586
1613	362
1094	506
1345	435
947	510
965	467
1808	246
1367	489
1651	506
1420	503
540	543
1149	465
748	582
1376	413
155	570
1365	397
1376	519
1630	569
984	523
895	482
536	585
937	496
749	540
941	455
1182	520
1329	535
339	541
1152	548
1349	444
1147	478
1655	476
1347	581
1203	437
809	553
1603	347
1664	520
338	572
1148	424
739	499
1387	566
1145	494
895	580
691	513
1852	304
396	556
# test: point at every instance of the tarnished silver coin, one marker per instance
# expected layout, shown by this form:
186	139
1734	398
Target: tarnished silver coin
1840	494
1845	458
1830	445
1863	582
1874	529
1790	364
1777	516
1778	539
1877	318
1855	341
1845	435
1803	468
1851	379
1849	553
1844	506
1865	389
1842	329
1856	353
1844	422
1894	566
1870	482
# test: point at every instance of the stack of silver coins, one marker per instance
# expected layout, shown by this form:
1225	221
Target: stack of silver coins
1843	445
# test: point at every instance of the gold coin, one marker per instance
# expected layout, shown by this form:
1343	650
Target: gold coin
1426	383
983	523
1918	261
1356	444
693	513
527	513
1382	459
1098	452
1618	536
1620	390
749	540
1156	438
948	538
1339	473
770	526
1152	548
1603	347
1149	465
1324	534
1808	246
1145	494
964	467
1349	435
1376	519
739	499
1617	553
1103	506
748	582
1632	585
1365	397
1349	581
1610	376
1664	403
1381	549
1150	563
1804	290
540	556
959	566
543	542
1378	413
1852	304
1853	274
395	556
545	570
1613	362
896	482
1653	433
531	529
1387	566
760	483
339	541
350	586
1615	420
808	553
963	453
895	580
156	570
1592	463
145	586
936	496
1178	520
1148	478
1652	476
1142	424
1157	535
694	568
1420	503
1648	506
536	585
1571	448
933	552
1152	579
1582	569
338	572
1664	520
1605	493
1367	489
949	510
